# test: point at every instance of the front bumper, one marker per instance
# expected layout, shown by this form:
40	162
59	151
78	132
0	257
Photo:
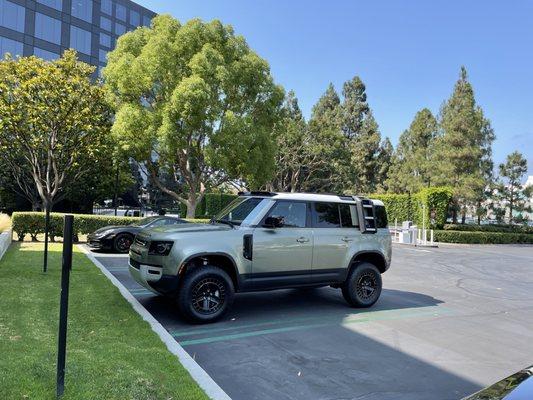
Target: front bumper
99	243
145	274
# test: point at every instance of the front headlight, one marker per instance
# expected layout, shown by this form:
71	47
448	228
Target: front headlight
160	248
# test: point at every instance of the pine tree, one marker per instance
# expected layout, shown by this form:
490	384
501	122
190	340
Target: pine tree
363	139
464	146
384	162
411	168
513	197
327	144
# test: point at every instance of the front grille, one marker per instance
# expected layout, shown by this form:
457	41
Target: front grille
135	264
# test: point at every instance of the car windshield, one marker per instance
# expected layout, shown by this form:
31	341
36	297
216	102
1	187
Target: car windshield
145	221
238	210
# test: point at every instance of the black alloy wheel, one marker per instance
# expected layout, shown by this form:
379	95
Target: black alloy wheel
208	295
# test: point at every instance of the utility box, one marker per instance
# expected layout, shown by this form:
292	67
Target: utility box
406	225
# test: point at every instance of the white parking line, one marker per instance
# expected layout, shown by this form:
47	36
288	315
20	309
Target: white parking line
420	250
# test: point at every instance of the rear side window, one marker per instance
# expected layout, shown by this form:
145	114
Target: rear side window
327	215
381	217
348	216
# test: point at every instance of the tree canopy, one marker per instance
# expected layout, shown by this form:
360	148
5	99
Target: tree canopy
54	124
195	101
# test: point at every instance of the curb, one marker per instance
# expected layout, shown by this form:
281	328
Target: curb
201	377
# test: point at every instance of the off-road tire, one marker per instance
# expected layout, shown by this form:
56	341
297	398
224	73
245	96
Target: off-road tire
202	287
362	288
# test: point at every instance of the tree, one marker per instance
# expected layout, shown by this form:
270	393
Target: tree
326	145
384	162
360	172
463	147
195	101
510	193
412	165
54	122
293	152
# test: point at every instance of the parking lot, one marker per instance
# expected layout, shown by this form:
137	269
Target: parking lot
449	321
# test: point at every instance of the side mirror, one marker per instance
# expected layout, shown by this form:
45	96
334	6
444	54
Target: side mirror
273	222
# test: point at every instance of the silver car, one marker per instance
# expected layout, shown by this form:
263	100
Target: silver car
264	241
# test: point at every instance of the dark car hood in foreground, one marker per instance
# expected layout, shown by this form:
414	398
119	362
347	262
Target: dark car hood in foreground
518	386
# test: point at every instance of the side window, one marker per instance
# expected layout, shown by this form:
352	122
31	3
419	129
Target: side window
170	221
293	213
381	217
158	222
348	216
327	215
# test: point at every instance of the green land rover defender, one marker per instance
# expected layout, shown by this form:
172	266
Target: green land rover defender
265	241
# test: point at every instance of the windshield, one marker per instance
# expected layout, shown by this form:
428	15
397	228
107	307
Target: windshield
144	221
238	210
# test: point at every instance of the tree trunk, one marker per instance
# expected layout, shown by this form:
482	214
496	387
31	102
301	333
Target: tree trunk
192	202
47	207
454	215
463	216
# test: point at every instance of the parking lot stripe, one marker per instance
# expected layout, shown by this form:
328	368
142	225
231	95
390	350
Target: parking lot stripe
383	315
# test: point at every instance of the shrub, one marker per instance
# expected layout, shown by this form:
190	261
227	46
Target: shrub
472	237
404	207
32	223
210	205
490	228
5	222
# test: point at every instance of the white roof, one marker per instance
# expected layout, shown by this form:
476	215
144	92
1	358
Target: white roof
315	197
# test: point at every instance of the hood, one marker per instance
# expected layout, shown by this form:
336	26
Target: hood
515	387
187	227
113	227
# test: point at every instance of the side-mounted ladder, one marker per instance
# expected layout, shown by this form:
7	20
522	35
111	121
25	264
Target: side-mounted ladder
366	214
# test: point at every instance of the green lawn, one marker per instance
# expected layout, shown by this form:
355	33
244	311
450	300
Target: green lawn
111	352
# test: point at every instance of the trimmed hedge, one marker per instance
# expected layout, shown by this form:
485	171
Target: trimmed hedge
449	236
490	228
32	223
404	207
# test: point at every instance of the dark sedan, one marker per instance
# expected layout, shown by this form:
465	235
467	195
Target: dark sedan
518	386
120	238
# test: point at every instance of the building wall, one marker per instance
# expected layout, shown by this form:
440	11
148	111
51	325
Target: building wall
48	27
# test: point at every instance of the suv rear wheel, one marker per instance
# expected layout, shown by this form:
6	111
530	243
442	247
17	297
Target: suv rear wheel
205	294
363	286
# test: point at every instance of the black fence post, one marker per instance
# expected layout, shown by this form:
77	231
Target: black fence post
63	309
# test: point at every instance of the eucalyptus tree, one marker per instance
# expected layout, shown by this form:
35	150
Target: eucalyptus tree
193	101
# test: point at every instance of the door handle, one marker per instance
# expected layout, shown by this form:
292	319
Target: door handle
302	239
347	239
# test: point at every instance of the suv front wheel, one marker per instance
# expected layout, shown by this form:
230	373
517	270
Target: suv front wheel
205	294
363	286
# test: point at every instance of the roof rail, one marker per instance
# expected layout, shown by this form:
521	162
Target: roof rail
257	193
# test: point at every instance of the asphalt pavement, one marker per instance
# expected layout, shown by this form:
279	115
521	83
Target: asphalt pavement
450	320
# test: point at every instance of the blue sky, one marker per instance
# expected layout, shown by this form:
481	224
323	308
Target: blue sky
408	53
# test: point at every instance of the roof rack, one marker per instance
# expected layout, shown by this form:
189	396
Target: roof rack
257	193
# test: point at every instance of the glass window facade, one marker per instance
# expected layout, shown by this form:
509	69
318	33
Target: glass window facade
47	28
105	39
10	46
147	20
45	54
120	12
82	9
57	4
105	23
12	15
135	18
102	56
120	29
106	6
80	39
